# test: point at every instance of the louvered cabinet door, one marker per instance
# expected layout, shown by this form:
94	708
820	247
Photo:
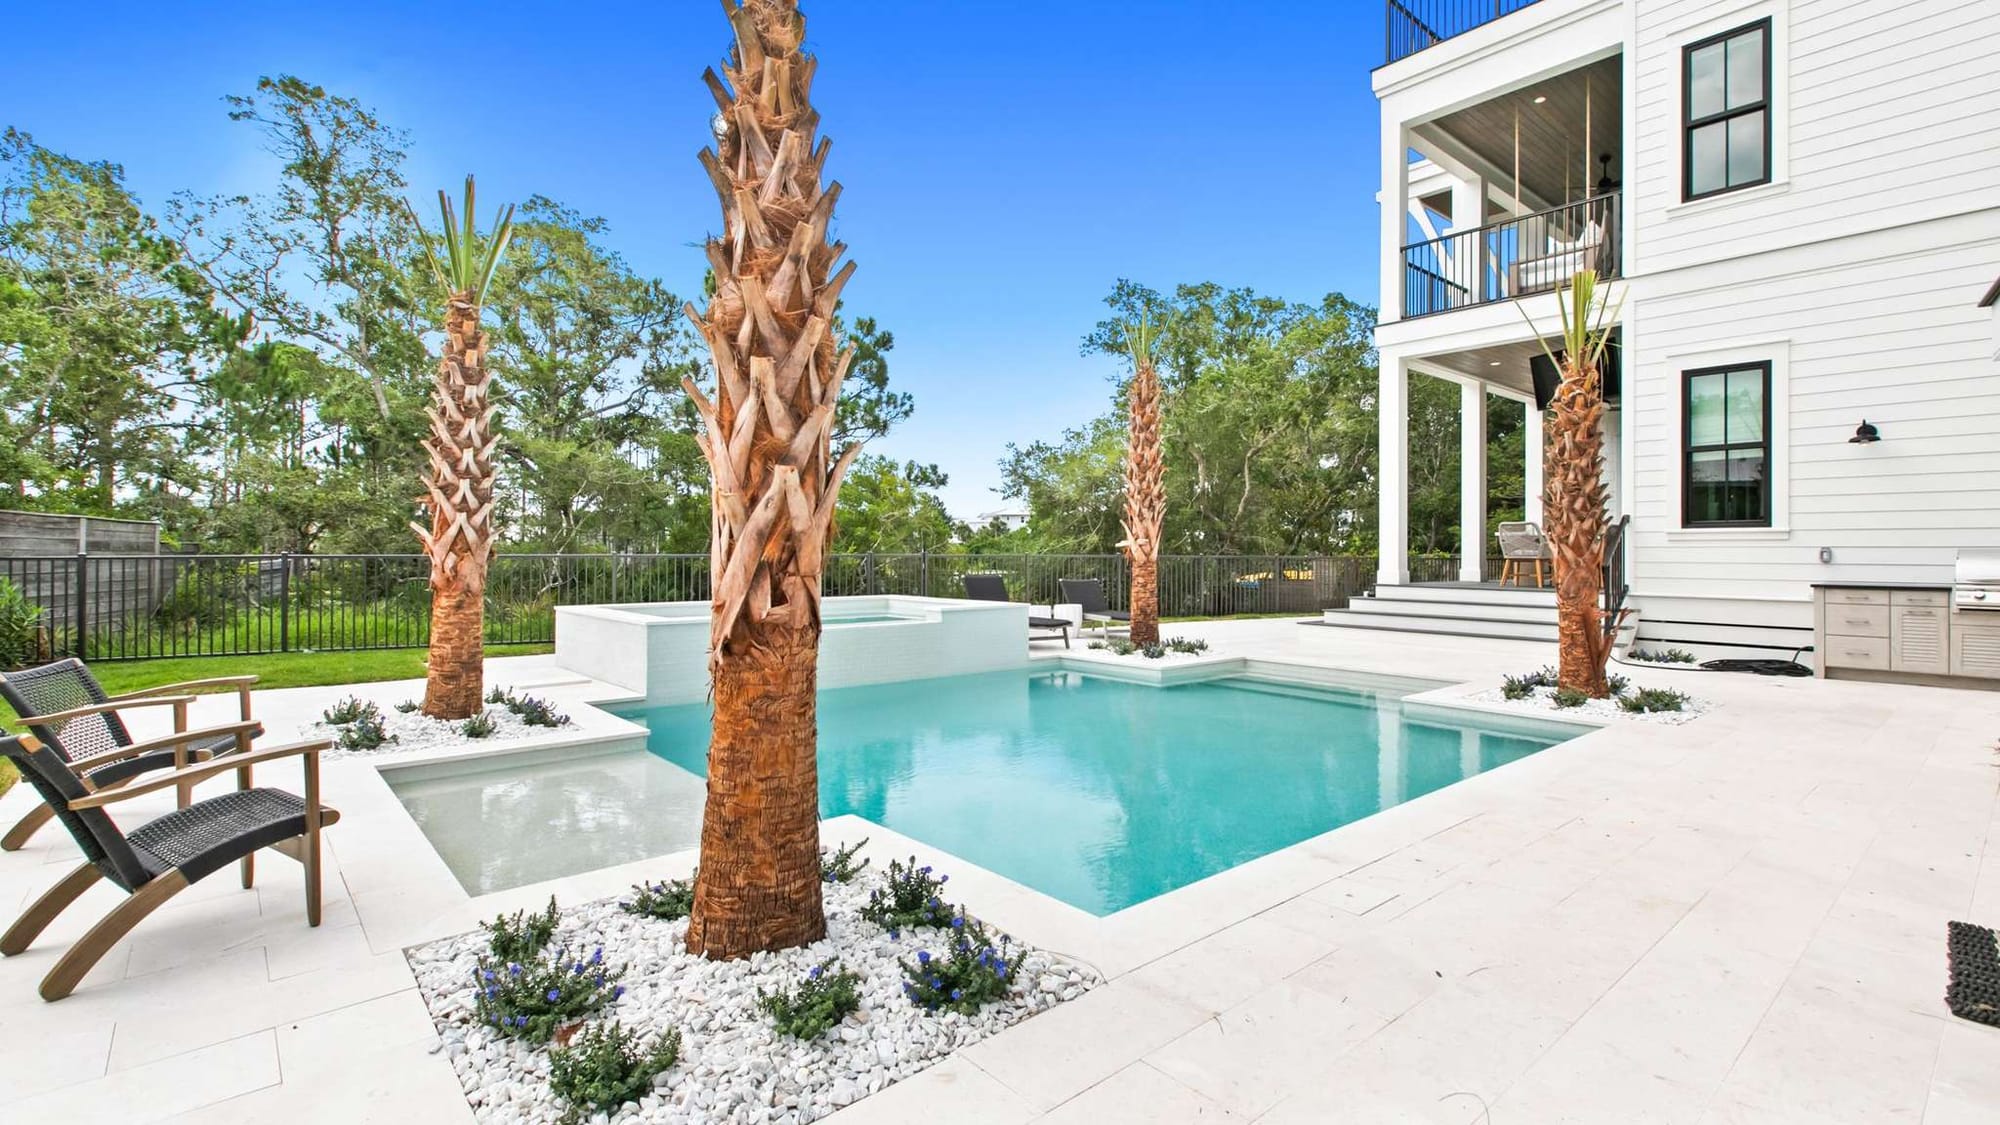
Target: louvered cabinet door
1975	646
1920	641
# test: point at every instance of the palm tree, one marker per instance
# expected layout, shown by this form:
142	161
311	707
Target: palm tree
1576	504
1145	486
769	328
459	483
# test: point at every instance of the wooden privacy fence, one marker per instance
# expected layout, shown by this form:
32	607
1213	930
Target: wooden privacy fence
38	551
135	607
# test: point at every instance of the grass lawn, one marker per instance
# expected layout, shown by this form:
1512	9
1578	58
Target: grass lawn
279	670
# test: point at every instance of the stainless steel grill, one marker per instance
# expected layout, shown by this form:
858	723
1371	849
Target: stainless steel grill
1976	583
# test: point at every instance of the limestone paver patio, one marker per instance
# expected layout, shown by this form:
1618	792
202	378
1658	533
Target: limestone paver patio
1736	920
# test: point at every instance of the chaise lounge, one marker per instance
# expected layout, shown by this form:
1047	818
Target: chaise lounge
1089	594
64	706
163	857
993	588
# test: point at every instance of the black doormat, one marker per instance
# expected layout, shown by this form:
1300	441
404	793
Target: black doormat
1974	955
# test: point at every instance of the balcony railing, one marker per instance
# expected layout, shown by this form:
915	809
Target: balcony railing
1512	258
1417	24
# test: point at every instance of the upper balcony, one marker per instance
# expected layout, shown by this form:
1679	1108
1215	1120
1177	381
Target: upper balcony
1508	196
1416	24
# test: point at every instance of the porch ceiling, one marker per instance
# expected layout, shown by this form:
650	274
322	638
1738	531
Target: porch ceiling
1502	365
1552	162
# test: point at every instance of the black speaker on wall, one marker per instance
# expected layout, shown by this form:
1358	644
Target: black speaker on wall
1548	378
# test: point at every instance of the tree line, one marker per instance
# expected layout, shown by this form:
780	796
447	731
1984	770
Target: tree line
250	370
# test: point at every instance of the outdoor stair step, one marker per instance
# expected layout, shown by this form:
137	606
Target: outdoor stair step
1468	594
1467	611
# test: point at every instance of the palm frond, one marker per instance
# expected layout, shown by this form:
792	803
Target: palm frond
470	262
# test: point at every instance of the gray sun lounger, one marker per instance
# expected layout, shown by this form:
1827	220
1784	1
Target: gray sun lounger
993	588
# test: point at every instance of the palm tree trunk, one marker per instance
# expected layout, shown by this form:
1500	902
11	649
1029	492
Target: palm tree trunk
460	498
774	482
1145	500
1575	512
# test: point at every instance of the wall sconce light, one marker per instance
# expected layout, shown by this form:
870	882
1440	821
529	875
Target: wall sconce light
1865	434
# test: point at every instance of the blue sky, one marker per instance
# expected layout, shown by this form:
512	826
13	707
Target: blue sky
1005	161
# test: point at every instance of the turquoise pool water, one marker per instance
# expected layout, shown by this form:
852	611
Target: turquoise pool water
1103	793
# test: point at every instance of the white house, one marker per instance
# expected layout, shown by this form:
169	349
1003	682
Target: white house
1801	202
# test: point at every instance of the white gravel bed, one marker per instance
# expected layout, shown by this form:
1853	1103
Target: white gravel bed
415	730
1542	702
734	1067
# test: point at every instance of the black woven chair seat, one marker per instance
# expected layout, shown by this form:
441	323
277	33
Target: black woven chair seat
211	834
1047	623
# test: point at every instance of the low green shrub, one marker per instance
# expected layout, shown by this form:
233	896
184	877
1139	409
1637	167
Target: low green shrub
1661	656
1191	646
911	897
1153	651
839	866
533	711
521	936
666	901
1116	646
349	710
531	1001
974	971
1566	698
478	726
811	1007
1654	699
606	1066
20	626
1618	684
366	732
1516	687
408	706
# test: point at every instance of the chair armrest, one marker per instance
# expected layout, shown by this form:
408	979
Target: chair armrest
179	738
189	775
107	705
187	686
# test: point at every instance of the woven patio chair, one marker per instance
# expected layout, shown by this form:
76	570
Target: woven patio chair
993	588
1522	543
63	705
1089	593
163	857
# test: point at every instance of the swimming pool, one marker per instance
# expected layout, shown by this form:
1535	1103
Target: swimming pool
1104	793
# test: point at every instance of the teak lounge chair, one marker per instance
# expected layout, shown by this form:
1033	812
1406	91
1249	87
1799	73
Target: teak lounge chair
1089	593
64	706
993	588
163	857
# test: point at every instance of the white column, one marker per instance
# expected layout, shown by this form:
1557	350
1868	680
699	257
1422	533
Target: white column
1392	463
1532	472
1468	214
1395	211
1472	481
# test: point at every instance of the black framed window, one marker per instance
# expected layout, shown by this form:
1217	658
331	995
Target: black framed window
1726	443
1726	112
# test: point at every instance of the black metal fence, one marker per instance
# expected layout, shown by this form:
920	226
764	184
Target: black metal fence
1416	24
136	607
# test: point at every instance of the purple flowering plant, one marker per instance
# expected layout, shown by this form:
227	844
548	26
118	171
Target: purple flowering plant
911	896
827	995
530	1001
974	970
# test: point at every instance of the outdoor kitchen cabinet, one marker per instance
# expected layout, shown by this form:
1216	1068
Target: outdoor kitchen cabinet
1903	630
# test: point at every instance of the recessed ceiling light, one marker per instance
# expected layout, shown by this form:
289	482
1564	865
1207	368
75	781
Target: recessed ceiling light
1541	98
1495	363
